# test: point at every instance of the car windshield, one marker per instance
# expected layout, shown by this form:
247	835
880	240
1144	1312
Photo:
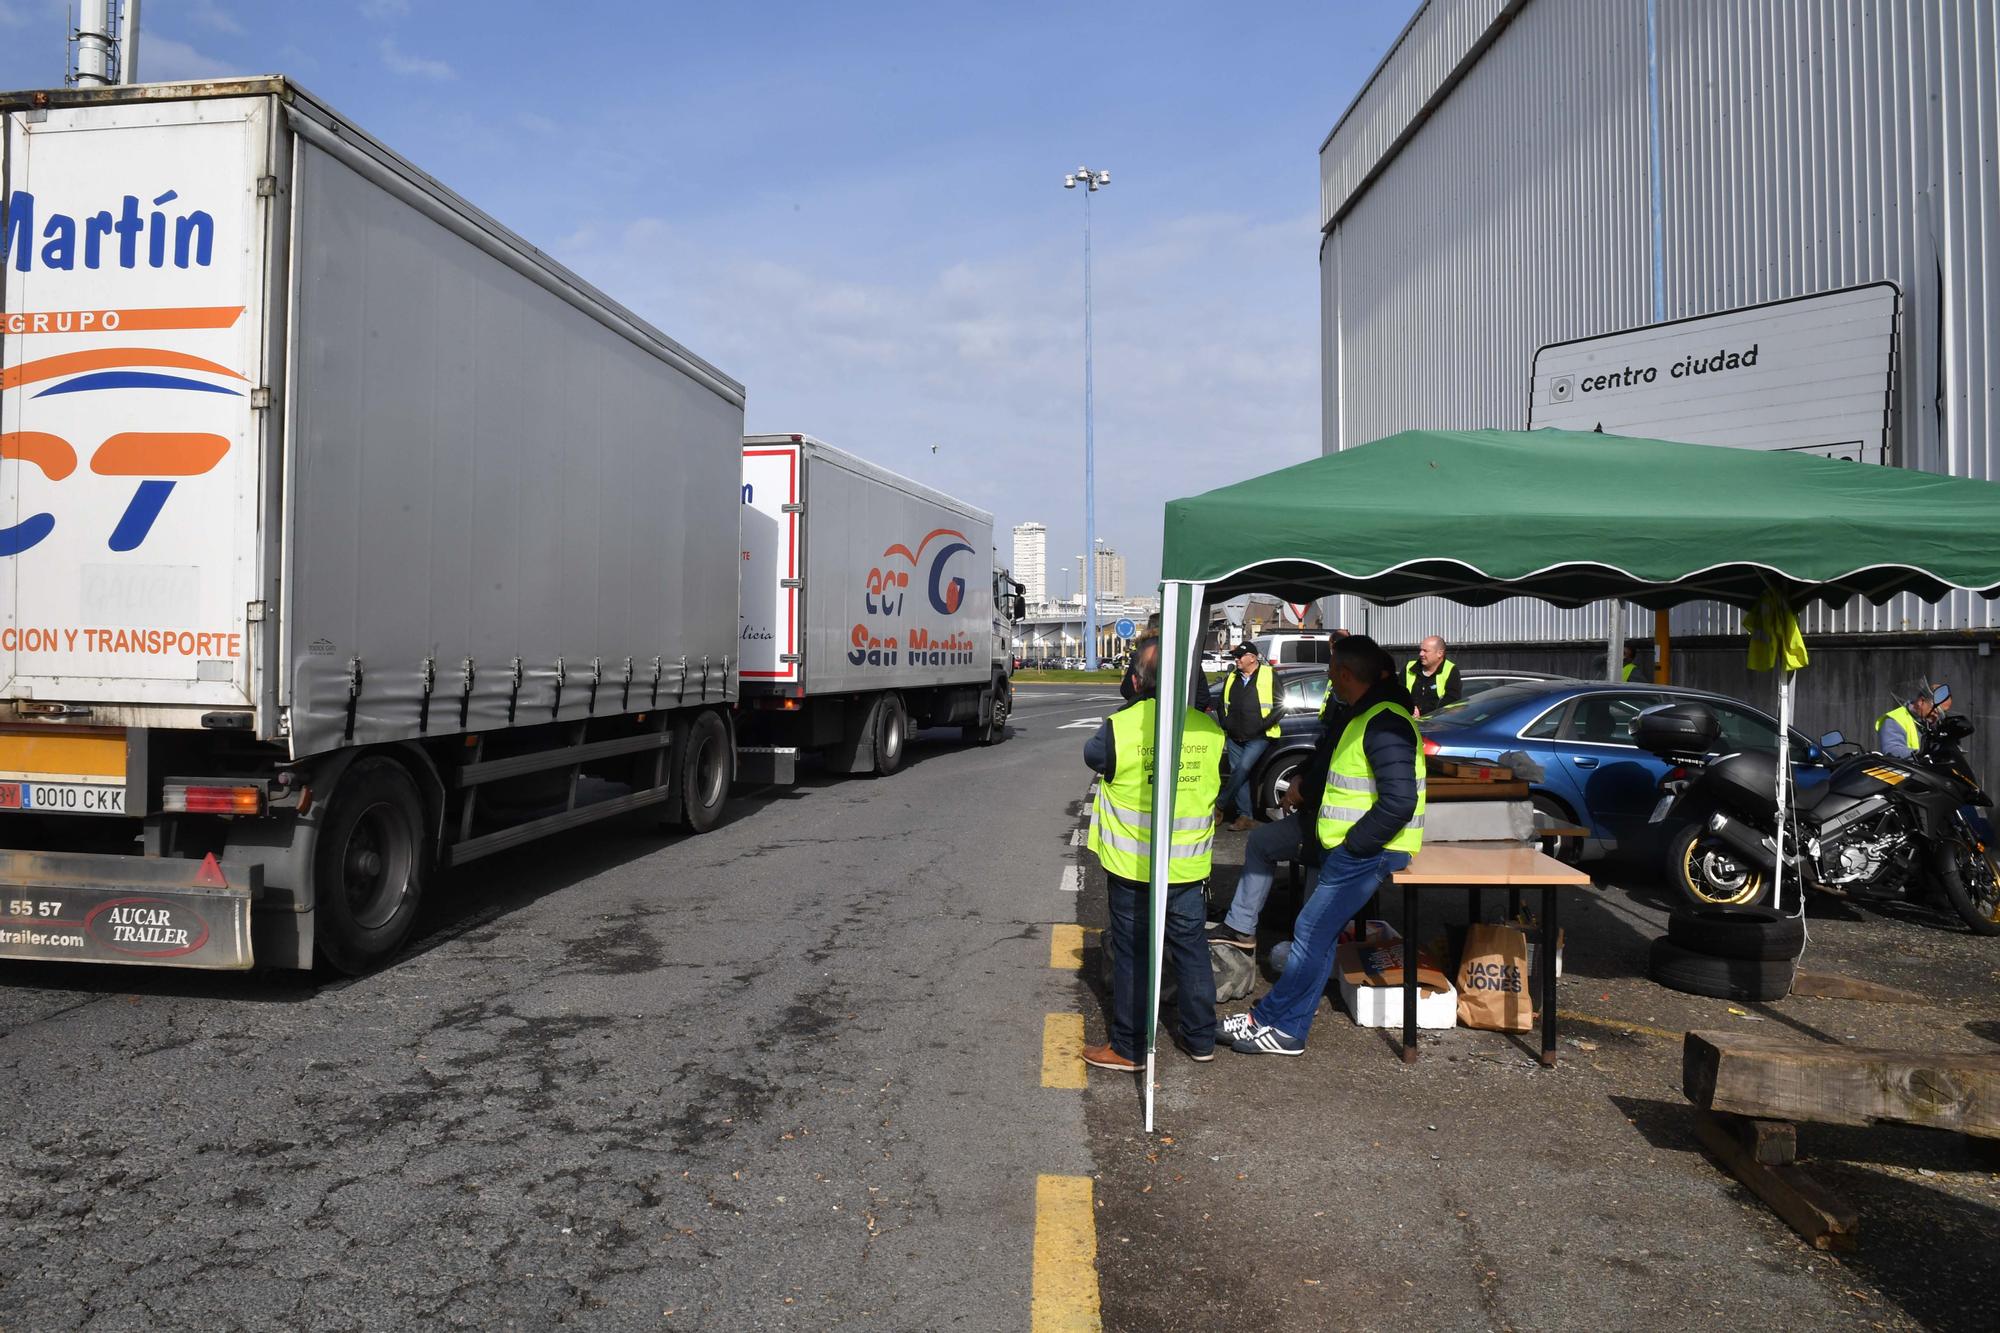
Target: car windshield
1483	707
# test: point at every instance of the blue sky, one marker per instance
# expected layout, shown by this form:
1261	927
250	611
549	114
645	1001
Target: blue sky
857	208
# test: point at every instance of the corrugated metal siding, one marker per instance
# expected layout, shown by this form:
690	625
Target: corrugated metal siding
1435	42
1806	147
1473	243
1815	146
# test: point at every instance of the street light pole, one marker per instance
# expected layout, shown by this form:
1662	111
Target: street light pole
1092	181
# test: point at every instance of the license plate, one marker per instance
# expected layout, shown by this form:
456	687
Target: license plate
1660	810
70	798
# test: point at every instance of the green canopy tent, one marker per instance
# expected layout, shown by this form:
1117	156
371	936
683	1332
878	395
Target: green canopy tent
1564	516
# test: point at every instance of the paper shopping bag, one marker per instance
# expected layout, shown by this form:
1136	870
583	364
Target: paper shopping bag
1493	980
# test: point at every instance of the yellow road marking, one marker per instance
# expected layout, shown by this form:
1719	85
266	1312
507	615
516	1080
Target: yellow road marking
1062	1051
1065	1297
1618	1024
1066	944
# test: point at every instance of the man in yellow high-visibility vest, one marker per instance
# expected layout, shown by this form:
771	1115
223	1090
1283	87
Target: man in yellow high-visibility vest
1121	833
1899	732
1371	822
1431	678
1249	718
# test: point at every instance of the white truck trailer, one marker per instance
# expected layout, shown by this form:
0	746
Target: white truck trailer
870	606
347	535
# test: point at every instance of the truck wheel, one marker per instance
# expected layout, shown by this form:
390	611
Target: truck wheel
892	734
368	866
707	768
994	728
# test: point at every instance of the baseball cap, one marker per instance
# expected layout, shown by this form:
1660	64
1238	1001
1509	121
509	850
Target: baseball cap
1243	648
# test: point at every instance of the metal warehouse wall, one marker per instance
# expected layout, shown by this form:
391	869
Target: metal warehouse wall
1805	147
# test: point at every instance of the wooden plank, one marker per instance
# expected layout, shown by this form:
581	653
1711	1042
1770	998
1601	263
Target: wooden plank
1771	1142
1776	1079
1487	864
1803	1203
1834	986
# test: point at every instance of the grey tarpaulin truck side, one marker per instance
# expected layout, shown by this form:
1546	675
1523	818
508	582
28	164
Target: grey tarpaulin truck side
468	556
870	606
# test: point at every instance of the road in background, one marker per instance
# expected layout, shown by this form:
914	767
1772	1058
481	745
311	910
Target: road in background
785	1075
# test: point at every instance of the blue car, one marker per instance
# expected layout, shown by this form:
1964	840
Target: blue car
1593	775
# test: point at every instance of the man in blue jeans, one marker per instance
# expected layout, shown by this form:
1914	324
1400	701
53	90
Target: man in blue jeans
1289	837
1370	820
1249	717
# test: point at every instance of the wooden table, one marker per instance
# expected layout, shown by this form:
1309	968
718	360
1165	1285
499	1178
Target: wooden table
1475	866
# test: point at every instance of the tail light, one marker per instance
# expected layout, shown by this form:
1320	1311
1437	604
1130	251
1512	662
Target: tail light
182	797
1431	747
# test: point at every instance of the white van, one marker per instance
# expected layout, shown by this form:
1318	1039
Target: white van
1295	649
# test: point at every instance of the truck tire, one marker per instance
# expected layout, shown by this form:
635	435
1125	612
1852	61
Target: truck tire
1755	933
707	768
368	866
998	706
1719	978
892	733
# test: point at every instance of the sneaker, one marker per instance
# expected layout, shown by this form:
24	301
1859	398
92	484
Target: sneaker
1106	1058
1262	1039
1235	939
1199	1057
1235	1025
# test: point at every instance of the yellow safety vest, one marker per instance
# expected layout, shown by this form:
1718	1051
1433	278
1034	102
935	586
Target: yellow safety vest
1630	667
1263	694
1903	718
1350	785
1121	821
1445	668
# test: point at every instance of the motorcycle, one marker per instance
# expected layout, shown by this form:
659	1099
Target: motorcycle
1879	829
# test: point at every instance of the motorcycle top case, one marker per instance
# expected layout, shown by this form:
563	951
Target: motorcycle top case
1686	728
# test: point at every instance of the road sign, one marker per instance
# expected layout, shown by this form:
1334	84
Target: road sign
1125	629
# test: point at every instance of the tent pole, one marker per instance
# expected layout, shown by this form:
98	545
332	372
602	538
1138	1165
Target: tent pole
1177	606
1615	657
1784	792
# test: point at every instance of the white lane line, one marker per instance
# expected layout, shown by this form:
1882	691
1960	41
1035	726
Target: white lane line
1076	837
1084	723
1072	879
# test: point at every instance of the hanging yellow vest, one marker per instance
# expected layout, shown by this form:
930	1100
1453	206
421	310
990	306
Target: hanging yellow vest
1121	821
1263	694
1445	668
1350	785
1903	718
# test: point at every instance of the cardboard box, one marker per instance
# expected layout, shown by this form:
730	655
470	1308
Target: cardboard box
1371	986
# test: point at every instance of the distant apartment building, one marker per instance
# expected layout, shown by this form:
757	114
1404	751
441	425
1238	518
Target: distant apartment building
1110	573
1031	561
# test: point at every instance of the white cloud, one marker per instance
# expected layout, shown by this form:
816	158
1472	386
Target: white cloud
1207	347
163	59
208	14
399	61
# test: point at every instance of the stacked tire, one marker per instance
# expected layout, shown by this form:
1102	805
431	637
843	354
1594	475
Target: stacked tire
1729	953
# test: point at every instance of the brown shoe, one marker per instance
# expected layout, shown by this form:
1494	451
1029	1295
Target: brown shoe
1243	824
1106	1058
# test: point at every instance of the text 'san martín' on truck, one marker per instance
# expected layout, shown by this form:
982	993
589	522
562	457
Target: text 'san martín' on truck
346	536
870	606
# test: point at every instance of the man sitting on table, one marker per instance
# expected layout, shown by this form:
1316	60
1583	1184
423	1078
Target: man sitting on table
1371	822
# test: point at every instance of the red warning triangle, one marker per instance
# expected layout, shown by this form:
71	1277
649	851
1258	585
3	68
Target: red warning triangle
210	874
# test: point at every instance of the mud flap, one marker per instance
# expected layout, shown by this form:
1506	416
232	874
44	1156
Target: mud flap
77	907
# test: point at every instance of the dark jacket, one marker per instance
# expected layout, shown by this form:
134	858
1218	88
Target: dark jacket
1424	695
1246	719
1128	687
1392	754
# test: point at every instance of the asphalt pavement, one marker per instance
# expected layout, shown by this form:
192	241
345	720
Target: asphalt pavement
817	1070
786	1075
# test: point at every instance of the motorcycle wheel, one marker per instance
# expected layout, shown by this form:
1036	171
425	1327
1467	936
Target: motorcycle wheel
1709	874
1970	877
